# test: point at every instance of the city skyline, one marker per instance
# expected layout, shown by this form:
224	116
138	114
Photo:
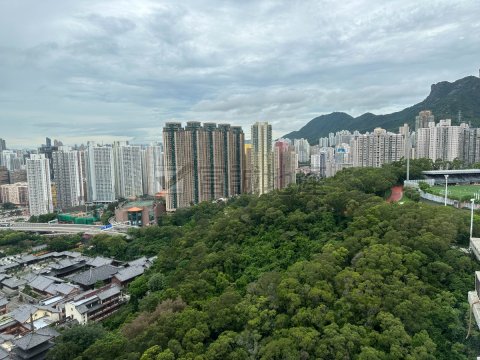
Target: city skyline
73	73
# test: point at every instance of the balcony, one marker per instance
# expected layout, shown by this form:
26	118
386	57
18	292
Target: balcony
474	302
475	246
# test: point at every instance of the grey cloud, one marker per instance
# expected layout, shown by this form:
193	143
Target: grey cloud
111	25
109	69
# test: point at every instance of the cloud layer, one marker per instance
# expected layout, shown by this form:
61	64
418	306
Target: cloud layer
104	70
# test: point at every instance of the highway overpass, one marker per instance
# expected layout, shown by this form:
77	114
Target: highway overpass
62	228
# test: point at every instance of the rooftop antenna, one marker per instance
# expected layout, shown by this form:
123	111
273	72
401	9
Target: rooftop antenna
459	116
31	322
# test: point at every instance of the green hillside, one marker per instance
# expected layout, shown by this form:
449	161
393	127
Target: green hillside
445	100
322	270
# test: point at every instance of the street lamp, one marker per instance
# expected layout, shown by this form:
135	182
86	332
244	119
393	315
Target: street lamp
408	155
471	219
446	189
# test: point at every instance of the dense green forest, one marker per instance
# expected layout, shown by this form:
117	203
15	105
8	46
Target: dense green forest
321	270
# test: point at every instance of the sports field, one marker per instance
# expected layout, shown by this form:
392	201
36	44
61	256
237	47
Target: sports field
457	192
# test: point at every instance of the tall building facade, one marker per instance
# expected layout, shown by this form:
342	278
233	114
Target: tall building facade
302	148
82	169
4	175
3	145
14	193
155	179
202	163
11	160
262	158
470	144
100	174
68	178
445	142
47	149
128	170
39	185
17	176
285	165
378	148
323	163
248	169
423	119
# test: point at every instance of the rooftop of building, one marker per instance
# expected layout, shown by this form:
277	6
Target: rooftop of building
14	282
22	314
129	273
91	276
41	283
92	300
451	172
143	261
138	204
35	339
99	261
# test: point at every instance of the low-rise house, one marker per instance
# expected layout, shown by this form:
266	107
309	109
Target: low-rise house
71	254
10	326
10	267
88	278
35	345
99	261
66	267
126	275
4	276
40	315
95	305
40	283
64	289
12	285
143	261
6	345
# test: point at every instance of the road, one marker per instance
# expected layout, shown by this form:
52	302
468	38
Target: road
60	228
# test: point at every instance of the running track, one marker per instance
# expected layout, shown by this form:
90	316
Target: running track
397	194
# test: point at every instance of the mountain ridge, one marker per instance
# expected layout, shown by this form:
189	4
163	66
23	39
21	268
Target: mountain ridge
445	100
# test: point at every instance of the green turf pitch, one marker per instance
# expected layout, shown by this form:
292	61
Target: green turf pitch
457	192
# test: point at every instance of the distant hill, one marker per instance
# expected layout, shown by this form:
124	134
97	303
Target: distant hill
445	100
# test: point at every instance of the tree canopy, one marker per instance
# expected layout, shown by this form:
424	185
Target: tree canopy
321	270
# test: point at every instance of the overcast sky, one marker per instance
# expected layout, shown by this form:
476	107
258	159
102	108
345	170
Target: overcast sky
105	70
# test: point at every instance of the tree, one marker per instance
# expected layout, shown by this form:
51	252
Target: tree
322	270
75	340
9	206
156	282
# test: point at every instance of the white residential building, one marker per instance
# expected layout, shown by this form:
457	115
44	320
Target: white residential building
155	178
68	178
11	160
440	141
302	148
95	305
128	170
378	148
323	163
100	174
39	186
